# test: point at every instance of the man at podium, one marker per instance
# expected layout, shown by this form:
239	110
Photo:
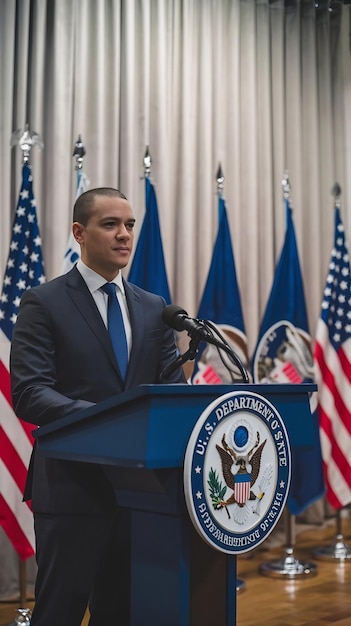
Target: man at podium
79	339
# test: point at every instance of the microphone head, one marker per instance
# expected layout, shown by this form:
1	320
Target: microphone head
172	315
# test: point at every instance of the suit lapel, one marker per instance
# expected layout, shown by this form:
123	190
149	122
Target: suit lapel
83	300
136	313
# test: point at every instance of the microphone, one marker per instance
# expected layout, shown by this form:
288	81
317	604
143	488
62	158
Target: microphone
178	319
175	317
198	330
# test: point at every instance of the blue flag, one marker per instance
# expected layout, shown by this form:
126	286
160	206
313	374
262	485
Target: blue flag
283	354
221	304
148	269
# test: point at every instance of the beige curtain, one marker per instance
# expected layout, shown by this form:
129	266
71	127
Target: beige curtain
259	86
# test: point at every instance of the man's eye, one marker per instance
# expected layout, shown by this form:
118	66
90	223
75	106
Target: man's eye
130	226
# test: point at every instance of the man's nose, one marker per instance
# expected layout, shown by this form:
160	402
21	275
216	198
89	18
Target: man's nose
123	233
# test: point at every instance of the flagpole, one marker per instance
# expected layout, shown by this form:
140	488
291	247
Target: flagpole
26	140
147	162
338	550
220	181
289	566
239	583
72	252
79	154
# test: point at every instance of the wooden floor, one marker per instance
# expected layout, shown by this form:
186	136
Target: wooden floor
306	600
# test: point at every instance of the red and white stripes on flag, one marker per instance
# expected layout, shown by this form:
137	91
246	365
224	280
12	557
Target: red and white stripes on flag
242	487
24	269
333	372
15	449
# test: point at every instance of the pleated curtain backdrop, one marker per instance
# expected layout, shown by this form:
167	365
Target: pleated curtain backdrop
259	86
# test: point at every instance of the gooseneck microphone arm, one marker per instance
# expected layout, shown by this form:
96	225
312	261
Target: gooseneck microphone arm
222	344
198	330
189	355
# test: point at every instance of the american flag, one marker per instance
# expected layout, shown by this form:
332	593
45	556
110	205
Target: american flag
333	372
24	270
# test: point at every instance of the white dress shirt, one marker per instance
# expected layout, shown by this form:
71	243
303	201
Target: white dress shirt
94	283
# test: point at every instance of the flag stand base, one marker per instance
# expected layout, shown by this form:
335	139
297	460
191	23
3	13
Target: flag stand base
23	617
339	550
288	566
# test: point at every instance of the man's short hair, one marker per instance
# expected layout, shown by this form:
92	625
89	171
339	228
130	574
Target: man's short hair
84	205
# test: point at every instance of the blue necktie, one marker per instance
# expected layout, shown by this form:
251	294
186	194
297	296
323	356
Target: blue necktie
115	327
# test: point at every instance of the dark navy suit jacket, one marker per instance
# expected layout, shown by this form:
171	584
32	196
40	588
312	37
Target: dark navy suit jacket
61	361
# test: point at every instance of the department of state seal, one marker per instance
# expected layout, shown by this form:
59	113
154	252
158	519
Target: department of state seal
237	471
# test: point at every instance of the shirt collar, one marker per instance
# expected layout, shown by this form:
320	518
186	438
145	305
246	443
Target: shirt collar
94	281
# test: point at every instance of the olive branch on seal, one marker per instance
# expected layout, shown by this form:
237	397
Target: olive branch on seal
217	491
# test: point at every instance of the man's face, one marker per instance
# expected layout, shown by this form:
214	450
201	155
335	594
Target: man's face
106	241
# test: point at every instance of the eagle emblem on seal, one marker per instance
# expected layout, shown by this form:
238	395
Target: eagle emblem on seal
240	473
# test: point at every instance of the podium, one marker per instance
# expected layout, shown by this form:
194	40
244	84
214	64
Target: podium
140	438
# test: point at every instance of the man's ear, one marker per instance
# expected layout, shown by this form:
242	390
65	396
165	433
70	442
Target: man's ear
78	231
